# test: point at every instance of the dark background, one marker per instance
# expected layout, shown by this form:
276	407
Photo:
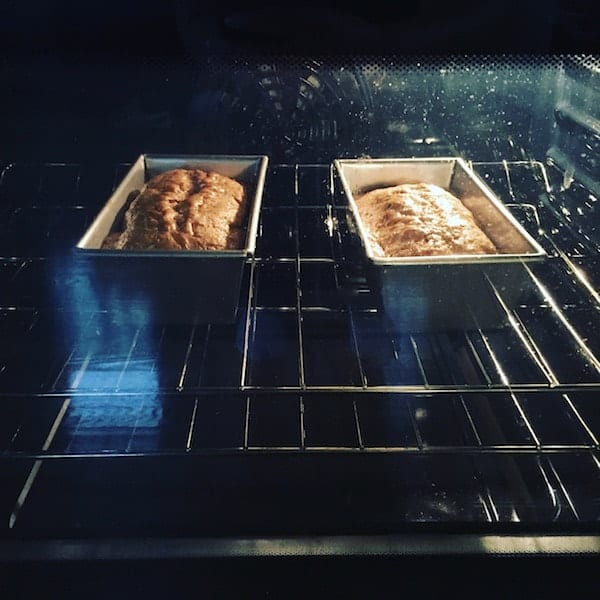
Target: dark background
106	79
163	28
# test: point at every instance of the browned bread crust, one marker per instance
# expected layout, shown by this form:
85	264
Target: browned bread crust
420	220
185	209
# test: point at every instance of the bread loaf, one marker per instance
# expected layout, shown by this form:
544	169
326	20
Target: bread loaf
185	209
420	220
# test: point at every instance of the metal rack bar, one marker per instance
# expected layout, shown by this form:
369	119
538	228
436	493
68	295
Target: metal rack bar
415	348
521	331
487	500
559	313
318	389
580	419
478	359
470	420
37	465
127	358
301	371
363	377
575	270
496	362
508	181
190	435
357	424
426	450
527	422
471	371
564	491
247	423
414	425
556	503
188	351
249	320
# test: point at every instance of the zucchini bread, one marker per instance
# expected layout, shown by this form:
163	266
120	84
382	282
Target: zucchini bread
420	219
185	209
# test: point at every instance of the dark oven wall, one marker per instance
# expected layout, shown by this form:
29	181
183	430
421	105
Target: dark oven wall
301	109
308	110
112	80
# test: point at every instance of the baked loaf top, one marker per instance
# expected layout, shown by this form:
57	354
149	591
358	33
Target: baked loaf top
420	219
185	209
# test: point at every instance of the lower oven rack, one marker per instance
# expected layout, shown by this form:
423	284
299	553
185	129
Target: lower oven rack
492	429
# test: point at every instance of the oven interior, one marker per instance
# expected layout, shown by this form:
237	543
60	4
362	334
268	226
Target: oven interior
309	415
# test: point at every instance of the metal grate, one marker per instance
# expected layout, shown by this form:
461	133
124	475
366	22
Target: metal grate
308	320
310	367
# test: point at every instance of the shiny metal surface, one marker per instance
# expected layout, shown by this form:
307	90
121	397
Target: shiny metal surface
426	545
248	170
358	176
442	292
307	415
175	286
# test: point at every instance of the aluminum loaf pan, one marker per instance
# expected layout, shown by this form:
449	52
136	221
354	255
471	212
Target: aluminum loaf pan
450	291
170	285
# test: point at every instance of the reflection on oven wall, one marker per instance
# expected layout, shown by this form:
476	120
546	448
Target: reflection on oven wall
302	112
482	109
104	356
494	112
575	146
573	156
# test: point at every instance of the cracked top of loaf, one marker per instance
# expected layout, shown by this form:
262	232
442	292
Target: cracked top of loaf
185	209
420	219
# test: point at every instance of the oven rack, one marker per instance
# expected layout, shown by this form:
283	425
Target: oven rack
491	426
307	321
